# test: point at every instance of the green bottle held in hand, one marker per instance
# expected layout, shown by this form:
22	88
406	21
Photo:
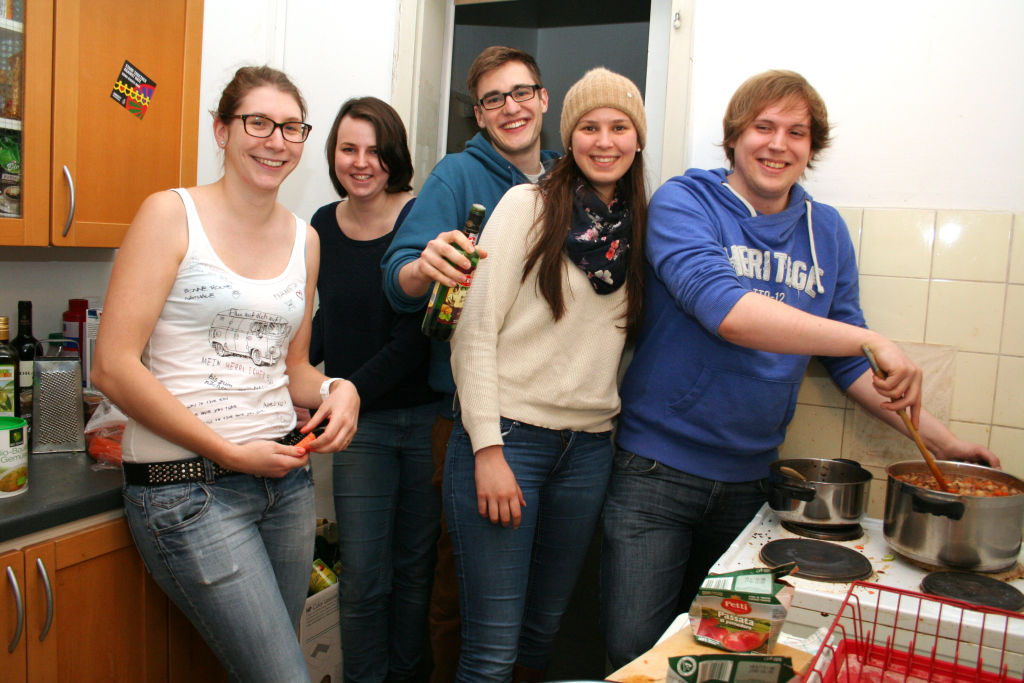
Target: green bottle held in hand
445	303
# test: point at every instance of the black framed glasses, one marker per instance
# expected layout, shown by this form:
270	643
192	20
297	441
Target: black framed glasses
521	93
260	126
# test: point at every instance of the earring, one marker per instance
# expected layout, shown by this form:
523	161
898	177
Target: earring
639	149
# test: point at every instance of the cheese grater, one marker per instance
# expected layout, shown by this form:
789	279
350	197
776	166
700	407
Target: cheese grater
58	423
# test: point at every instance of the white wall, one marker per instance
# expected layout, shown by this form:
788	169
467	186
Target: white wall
926	97
332	50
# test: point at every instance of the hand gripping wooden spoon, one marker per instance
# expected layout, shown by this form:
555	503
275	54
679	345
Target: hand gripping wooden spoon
943	484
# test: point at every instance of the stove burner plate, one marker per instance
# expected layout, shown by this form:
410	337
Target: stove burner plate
974	588
817	560
845	532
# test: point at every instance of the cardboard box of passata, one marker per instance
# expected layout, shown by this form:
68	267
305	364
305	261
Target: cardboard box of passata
729	668
742	611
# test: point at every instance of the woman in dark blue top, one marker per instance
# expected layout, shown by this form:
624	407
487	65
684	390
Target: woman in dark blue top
388	512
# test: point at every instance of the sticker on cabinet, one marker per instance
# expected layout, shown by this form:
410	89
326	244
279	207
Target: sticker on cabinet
133	90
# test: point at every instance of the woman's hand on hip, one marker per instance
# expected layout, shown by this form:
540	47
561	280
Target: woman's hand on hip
498	496
266	459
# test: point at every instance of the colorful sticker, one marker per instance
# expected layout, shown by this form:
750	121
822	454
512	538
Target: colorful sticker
133	90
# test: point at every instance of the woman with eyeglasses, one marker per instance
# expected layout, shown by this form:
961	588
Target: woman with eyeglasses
204	345
535	358
389	513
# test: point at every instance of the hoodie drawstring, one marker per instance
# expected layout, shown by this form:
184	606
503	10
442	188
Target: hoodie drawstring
810	233
814	254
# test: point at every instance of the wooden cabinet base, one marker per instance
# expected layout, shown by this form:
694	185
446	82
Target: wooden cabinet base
190	659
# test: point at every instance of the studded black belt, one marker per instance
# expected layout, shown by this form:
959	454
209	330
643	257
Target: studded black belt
174	471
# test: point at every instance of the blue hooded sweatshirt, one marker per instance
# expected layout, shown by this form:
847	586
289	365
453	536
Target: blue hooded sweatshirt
692	400
478	175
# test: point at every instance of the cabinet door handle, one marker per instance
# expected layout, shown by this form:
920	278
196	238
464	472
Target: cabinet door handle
49	599
20	608
71	208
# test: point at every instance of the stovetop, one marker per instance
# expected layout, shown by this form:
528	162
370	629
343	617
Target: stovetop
889	568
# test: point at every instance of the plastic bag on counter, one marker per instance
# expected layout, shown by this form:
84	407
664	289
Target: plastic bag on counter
103	434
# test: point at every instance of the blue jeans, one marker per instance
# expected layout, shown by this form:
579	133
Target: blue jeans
663	529
514	584
389	516
235	556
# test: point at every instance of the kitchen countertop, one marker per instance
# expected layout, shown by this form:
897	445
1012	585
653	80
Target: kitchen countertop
62	487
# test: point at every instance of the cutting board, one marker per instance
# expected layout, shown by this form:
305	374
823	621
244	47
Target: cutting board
652	666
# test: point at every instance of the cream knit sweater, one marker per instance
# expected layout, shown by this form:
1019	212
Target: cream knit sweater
509	356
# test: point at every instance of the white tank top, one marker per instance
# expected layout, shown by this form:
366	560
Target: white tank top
220	343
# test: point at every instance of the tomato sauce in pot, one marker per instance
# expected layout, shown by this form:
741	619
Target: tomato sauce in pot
960	484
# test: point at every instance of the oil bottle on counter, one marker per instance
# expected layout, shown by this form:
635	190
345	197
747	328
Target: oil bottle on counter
9	381
445	303
25	345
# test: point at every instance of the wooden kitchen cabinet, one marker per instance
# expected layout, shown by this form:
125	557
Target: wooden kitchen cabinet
12	609
107	619
110	621
35	33
189	658
80	148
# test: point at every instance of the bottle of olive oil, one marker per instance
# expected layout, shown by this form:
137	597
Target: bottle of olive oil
445	303
9	383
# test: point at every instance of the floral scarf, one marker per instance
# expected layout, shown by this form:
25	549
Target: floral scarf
598	239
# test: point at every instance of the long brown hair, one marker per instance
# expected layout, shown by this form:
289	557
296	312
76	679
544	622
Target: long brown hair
558	189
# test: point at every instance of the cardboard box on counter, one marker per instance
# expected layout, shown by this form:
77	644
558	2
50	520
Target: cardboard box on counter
652	666
320	636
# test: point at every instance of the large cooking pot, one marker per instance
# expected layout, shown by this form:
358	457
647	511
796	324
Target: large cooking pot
832	492
966	532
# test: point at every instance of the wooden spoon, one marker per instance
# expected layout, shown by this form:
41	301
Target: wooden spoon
941	480
790	472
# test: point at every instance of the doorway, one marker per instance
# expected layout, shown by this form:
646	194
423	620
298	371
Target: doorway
422	76
566	37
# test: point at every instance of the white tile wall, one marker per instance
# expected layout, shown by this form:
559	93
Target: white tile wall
1017	251
945	277
897	242
970	245
967	315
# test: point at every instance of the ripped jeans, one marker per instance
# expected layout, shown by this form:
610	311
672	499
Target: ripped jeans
235	556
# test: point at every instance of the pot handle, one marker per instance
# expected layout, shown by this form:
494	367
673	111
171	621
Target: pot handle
803	493
954	509
849	462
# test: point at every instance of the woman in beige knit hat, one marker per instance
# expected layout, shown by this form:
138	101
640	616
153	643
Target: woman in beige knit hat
535	359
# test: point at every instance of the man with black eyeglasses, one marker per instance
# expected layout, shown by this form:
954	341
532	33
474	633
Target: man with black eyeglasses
509	105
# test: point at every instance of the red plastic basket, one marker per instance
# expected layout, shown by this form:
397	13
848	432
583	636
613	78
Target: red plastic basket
886	635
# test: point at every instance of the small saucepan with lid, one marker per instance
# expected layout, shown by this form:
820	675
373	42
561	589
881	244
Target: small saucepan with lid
819	492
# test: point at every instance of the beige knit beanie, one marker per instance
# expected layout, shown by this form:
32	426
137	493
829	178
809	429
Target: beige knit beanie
602	88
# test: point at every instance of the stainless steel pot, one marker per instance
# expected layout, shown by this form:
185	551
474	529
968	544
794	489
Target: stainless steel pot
966	532
832	492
